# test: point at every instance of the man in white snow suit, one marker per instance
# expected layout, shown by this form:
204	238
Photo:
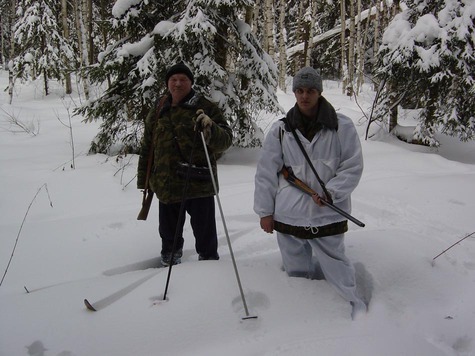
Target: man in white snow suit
310	235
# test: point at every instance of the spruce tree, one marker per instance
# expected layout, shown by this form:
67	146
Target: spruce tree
42	50
209	36
428	60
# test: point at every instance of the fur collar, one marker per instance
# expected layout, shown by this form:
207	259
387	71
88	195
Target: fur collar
326	115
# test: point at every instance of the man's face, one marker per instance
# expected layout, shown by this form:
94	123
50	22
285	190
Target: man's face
307	98
179	86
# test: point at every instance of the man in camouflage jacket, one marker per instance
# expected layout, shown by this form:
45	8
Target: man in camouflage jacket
174	133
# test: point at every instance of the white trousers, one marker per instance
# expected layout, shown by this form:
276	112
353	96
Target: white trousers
319	258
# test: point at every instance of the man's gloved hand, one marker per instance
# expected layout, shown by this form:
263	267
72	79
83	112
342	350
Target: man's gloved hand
203	123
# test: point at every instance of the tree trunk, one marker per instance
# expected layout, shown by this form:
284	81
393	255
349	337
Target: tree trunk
311	32
11	78
306	40
83	56
361	41
249	18
104	12
254	16
220	45
351	51
45	69
299	35
90	36
282	46
269	29
45	79
64	18
343	68
393	105
376	38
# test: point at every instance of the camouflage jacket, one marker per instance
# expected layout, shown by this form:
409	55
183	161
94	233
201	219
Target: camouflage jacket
178	121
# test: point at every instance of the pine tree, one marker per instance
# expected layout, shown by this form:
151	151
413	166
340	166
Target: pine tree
228	63
431	46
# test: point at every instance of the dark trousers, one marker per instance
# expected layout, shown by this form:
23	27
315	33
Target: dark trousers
202	220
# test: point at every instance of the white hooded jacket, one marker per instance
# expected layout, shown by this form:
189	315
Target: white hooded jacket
337	158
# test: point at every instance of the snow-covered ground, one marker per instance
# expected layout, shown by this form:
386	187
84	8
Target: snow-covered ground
75	235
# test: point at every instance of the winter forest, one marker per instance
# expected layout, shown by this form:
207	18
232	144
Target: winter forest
417	54
86	72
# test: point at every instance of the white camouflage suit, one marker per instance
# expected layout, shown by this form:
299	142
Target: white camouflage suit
337	158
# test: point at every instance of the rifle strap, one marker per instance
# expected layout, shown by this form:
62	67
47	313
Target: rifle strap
307	158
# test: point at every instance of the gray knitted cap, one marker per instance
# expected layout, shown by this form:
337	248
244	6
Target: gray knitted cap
307	77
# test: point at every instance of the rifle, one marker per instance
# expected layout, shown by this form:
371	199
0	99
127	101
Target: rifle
148	193
294	181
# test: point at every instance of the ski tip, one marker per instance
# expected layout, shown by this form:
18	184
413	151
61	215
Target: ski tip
89	305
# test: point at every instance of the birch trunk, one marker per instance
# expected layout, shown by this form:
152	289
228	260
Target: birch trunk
344	77
282	46
359	50
376	38
351	51
311	32
83	54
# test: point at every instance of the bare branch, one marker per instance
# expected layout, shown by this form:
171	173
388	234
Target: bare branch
23	223
14	122
463	238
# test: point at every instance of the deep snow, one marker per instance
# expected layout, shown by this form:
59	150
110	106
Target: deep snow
415	202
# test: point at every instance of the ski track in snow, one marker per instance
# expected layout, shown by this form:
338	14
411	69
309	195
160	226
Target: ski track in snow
89	245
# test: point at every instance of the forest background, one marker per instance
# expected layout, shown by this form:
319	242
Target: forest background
111	57
418	54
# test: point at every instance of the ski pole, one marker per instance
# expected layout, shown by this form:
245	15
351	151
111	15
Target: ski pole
226	230
180	215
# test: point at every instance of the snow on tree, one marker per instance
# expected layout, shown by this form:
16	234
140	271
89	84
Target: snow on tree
228	63
428	62
42	49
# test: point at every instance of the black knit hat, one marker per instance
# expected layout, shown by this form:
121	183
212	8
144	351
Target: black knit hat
179	68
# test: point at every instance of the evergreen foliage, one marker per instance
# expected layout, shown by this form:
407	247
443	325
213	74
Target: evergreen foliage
426	59
5	32
428	55
323	55
228	63
41	48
